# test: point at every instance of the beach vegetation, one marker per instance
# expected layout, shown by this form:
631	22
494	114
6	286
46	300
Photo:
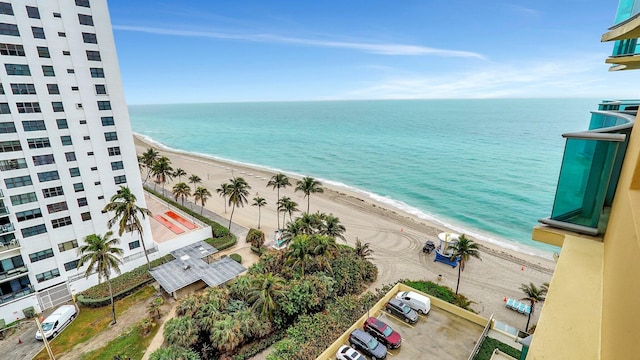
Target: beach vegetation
312	224
489	344
162	170
279	181
534	295
363	249
256	238
181	190
259	202
308	186
441	292
103	256
237	194
331	226
223	191
127	215
236	257
287	206
179	173
464	249
201	194
147	159
174	353
195	180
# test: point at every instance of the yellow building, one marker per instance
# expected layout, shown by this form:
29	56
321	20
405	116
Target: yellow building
592	309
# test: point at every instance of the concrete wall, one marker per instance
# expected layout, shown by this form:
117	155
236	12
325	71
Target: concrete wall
184	240
12	311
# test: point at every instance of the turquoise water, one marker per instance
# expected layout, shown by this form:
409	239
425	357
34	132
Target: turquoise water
484	167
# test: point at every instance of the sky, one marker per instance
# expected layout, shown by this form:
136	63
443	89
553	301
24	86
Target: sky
195	51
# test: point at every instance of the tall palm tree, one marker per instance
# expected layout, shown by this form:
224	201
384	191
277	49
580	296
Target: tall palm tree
534	295
179	173
308	223
287	206
127	214
332	227
195	180
140	162
464	249
363	249
259	202
278	181
181	190
162	170
324	249
104	256
237	193
292	230
308	186
223	191
299	253
148	158
265	290
201	194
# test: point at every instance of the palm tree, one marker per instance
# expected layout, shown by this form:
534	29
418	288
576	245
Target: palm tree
308	223
103	256
332	227
308	186
265	289
174	353
287	206
237	193
259	202
278	181
181	190
148	158
292	230
363	250
324	249
464	249
533	295
195	180
201	194
181	331
127	214
179	173
223	191
299	254
162	170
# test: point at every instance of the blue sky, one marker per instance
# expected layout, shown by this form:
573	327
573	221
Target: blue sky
227	51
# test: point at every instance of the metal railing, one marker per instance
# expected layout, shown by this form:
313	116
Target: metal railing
13	244
13	272
6	228
481	338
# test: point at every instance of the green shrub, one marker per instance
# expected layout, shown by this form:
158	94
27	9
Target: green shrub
260	251
433	289
258	346
489	344
221	243
236	257
255	237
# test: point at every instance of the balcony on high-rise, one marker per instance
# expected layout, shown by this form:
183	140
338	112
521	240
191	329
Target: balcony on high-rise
625	32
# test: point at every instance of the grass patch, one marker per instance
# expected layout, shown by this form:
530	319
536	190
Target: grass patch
489	344
130	345
433	289
92	321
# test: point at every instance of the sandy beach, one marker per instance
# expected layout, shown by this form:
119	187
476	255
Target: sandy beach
395	237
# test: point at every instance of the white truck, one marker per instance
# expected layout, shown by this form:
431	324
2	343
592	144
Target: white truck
57	321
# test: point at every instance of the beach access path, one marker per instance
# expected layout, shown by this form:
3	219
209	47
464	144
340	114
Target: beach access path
395	237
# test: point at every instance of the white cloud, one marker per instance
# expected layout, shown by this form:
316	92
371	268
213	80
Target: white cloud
372	48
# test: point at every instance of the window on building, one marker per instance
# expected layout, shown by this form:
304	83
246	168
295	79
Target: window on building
28	107
7	127
70	156
96	183
68	245
23	89
39	143
134	244
121	179
111	136
41	255
5	8
4	108
48	275
47	70
13	164
101	197
53	192
1	89
78	187
101	89
117	165
66	140
62	34
43	159
64	52
38	32
90	153
53	89
97	72
94	168
9	29
62	123
93	55
48	176
82	202
85	19
89	38
86	216
18	181
57	106
33	12
107	120
43	52
64	221
57	15
17	69
86	137
28	215
83	122
34	230
23	198
71	71
57	207
11	49
74	172
71	265
8	146
83	3
74	88
104	105
33	125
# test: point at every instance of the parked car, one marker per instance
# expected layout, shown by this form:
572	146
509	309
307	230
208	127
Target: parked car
417	302
57	321
428	247
383	333
401	310
367	344
347	353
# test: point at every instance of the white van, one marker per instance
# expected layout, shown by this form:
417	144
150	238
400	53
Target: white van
417	302
57	321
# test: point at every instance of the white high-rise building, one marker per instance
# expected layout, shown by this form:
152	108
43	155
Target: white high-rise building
66	147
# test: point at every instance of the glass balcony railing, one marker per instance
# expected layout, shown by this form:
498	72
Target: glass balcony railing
16	295
591	168
627	9
4	210
13	272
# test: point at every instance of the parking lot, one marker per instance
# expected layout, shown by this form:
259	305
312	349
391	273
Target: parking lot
438	335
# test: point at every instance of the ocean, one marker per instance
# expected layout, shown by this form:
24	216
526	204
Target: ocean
487	168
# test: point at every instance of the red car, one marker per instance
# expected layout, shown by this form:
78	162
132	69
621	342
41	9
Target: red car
383	332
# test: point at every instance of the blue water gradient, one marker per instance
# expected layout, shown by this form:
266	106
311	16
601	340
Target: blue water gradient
484	167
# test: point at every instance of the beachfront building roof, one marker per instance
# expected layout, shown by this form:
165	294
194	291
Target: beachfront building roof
66	147
590	311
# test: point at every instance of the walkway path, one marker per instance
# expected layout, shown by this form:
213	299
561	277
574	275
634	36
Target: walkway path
158	339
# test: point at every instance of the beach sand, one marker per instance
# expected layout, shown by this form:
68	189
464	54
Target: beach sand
395	237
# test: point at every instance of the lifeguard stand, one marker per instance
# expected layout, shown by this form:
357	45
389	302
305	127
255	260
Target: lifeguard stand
444	252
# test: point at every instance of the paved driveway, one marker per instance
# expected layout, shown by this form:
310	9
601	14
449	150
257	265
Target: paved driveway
21	345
